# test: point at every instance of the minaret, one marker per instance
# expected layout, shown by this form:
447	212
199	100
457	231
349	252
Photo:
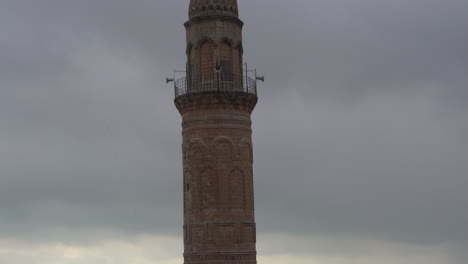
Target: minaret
216	99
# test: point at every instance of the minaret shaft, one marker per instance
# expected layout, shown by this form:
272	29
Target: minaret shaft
216	100
219	219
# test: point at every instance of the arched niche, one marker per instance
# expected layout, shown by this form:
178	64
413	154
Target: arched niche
196	150
223	148
225	59
206	59
209	190
245	150
237	190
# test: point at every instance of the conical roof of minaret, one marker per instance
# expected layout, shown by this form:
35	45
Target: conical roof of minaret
201	8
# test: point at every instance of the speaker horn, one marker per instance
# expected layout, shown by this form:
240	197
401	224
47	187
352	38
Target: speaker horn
261	78
168	80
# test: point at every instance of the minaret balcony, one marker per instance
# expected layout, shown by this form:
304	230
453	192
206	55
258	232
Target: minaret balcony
215	83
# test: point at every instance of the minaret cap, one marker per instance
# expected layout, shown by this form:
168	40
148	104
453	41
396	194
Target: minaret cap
200	8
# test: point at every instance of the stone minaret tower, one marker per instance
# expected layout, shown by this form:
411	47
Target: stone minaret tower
215	100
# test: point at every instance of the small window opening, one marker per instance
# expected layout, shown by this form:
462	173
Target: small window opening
226	70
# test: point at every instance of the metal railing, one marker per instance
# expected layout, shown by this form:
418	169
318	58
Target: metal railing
217	82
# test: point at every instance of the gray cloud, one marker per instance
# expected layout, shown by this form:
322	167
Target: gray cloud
360	130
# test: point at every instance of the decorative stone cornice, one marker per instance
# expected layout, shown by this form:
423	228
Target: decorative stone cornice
240	258
213	100
199	8
199	19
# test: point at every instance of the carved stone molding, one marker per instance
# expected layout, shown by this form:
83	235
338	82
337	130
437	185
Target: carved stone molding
247	258
212	100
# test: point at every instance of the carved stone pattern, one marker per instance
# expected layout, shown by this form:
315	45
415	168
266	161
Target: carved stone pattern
215	100
209	7
197	150
221	233
221	258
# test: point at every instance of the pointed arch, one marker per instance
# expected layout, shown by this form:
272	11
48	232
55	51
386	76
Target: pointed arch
227	40
202	40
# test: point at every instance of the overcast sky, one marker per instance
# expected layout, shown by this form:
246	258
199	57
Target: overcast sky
360	134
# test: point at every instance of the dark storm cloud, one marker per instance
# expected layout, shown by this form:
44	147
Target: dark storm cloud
81	106
360	130
371	101
347	48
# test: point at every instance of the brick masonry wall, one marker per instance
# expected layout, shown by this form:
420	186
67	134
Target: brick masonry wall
219	219
216	31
